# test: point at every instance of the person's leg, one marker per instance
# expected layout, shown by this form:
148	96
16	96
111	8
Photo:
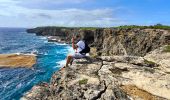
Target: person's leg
72	57
69	58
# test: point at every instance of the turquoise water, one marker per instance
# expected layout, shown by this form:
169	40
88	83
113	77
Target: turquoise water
14	82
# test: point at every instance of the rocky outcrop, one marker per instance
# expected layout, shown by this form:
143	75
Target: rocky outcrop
109	78
111	41
125	64
17	60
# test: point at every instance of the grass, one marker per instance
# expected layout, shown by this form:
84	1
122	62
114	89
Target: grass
150	63
157	26
149	70
167	49
83	81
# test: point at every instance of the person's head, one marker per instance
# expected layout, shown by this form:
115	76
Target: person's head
77	38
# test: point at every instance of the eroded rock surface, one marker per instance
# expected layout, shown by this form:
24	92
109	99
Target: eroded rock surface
108	78
17	60
111	41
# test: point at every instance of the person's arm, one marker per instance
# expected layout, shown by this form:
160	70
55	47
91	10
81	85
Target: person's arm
73	45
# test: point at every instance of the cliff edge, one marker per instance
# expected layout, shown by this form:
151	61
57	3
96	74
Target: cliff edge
124	64
110	78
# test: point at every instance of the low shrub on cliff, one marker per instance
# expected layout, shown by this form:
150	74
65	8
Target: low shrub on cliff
131	26
150	63
83	81
157	26
88	28
167	49
149	70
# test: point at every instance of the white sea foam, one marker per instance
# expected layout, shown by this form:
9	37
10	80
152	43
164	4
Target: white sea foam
43	37
18	53
70	50
34	52
31	54
60	43
45	41
61	63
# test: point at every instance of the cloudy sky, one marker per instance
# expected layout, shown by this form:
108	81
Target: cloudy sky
98	13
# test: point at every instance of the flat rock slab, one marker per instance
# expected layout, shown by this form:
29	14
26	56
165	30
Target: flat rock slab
17	60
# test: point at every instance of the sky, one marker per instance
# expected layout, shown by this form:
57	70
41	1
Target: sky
83	13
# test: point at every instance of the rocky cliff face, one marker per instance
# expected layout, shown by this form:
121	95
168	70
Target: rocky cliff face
131	64
110	78
132	41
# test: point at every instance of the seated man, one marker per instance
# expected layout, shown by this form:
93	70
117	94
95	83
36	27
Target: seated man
78	48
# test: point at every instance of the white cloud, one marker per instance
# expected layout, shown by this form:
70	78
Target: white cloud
14	15
51	1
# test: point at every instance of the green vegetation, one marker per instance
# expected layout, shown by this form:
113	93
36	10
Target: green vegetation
150	63
157	26
149	70
83	81
167	49
88	28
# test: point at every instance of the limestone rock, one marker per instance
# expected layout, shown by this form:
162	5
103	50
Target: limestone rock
109	78
17	60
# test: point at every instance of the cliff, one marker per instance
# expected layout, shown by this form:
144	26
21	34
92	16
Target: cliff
109	78
111	41
125	64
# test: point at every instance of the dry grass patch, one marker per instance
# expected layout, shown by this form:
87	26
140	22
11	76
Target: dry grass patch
135	93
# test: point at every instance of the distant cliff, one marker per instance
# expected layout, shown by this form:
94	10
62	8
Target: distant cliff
111	41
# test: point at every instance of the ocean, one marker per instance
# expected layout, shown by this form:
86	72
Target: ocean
14	82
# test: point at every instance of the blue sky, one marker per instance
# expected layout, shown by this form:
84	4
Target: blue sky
98	13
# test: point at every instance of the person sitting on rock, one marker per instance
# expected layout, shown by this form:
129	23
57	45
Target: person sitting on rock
81	48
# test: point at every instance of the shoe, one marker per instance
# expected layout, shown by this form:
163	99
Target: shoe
63	68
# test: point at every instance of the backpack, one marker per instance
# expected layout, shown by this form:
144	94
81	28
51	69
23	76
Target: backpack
86	49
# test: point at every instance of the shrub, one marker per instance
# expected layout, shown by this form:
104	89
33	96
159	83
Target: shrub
167	49
150	63
83	81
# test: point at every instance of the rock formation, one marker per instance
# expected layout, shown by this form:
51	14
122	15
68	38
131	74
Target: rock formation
125	64
109	78
15	60
112	41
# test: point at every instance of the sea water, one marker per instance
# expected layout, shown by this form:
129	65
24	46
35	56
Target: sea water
14	82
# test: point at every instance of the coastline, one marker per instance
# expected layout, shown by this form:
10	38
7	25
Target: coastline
107	77
21	77
112	75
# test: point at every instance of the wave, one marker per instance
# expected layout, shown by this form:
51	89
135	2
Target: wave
43	37
60	43
70	50
31	54
61	63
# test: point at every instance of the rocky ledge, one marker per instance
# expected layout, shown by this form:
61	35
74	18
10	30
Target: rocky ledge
17	60
109	78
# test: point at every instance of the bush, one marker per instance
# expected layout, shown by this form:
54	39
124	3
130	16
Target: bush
157	26
167	49
84	81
